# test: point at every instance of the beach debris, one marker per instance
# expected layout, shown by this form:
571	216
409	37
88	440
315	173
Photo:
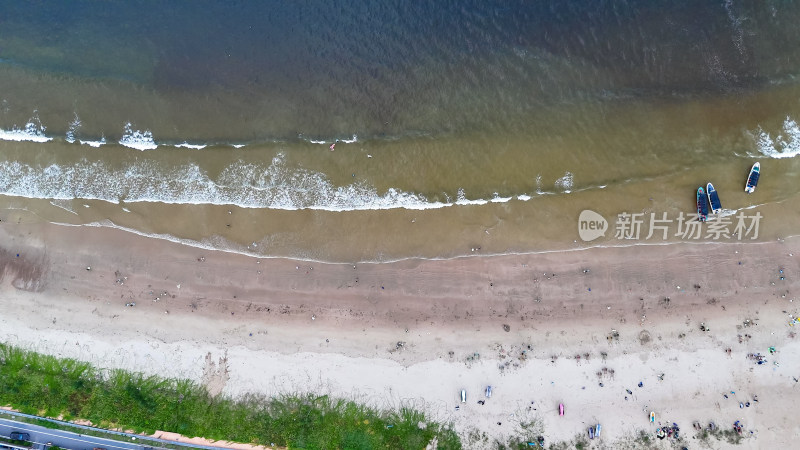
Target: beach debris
399	345
506	327
644	337
613	336
130	304
120	279
703	327
758	358
88	268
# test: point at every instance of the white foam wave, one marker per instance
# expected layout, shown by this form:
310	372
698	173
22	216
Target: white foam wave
242	184
785	145
33	131
237	145
462	200
565	183
72	129
248	185
192	146
94	144
139	140
66	205
323	141
498	199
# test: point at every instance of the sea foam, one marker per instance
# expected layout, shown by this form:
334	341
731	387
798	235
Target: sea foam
249	185
94	144
72	129
243	184
565	183
33	131
192	146
785	145
140	140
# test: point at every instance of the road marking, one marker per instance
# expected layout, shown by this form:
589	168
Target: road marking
98	440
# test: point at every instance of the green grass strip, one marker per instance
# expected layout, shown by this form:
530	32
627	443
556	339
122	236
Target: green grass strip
40	384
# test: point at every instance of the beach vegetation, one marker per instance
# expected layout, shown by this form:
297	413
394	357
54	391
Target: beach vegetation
49	386
579	442
730	436
526	431
475	438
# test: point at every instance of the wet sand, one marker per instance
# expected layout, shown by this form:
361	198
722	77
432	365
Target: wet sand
540	328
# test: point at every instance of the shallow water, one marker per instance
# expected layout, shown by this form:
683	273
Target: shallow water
460	127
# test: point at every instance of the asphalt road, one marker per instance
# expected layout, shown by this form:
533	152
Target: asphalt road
40	436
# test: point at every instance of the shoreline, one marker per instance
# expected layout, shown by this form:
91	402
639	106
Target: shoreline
205	247
240	324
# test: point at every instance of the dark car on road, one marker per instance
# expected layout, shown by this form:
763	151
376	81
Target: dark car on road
19	436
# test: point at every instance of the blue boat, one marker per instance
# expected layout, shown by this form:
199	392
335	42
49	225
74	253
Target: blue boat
752	179
713	199
702	204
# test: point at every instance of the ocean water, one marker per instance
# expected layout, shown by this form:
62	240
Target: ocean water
374	131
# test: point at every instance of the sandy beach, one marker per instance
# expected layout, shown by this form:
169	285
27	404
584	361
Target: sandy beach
580	327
